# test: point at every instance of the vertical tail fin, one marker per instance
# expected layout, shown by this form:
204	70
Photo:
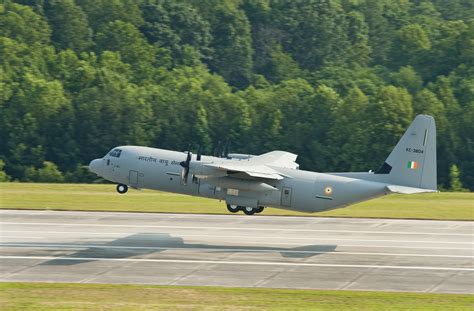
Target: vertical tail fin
412	162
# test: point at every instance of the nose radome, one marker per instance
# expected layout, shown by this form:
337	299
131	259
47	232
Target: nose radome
96	166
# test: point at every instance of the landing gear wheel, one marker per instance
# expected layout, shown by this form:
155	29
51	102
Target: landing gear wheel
249	210
122	188
233	208
259	209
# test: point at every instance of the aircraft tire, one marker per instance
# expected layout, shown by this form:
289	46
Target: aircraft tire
259	209
122	188
248	210
233	208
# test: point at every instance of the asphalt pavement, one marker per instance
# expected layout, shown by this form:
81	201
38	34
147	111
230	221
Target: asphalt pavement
237	251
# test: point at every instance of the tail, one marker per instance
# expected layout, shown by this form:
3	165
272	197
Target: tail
412	163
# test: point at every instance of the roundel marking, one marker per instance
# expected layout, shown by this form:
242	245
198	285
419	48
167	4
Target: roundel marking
328	190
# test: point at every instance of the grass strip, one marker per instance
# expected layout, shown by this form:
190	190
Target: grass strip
66	296
88	197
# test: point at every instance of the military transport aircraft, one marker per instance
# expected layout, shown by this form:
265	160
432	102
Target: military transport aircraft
250	183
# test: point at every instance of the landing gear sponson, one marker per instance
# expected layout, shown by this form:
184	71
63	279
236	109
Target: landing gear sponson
247	210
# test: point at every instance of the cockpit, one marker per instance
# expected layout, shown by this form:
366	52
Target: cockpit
115	153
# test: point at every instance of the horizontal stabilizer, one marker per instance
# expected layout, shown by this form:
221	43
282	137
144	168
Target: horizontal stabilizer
407	190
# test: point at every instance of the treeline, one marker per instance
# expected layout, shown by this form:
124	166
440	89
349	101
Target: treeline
335	81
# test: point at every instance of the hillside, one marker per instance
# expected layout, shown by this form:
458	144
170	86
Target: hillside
335	81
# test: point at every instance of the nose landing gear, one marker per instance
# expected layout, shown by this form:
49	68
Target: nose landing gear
122	188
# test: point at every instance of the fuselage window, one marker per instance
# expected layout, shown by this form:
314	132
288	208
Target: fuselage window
108	162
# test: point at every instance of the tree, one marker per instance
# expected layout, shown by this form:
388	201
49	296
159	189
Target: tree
112	111
22	24
408	78
391	112
359	51
447	47
455	9
383	18
102	12
70	28
411	43
314	32
348	137
49	173
281	66
455	182
27	120
3	176
126	39
177	27
466	149
230	30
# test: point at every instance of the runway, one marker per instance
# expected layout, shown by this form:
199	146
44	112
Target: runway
237	251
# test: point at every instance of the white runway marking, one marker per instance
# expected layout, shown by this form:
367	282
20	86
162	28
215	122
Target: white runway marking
258	263
276	250
317	238
233	228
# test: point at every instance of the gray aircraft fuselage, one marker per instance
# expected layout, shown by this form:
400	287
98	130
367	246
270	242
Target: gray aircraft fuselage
272	179
158	169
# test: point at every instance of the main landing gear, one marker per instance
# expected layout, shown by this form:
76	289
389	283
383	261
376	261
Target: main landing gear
122	188
233	208
247	210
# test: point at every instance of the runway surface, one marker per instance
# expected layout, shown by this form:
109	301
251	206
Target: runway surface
241	251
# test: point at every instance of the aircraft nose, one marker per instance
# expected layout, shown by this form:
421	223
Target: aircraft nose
96	166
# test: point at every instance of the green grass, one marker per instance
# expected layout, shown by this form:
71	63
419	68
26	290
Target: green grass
64	296
448	205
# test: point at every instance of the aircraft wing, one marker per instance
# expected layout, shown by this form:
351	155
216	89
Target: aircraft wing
259	166
276	158
260	171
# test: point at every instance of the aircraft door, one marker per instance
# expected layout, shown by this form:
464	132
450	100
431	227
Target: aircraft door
133	178
286	196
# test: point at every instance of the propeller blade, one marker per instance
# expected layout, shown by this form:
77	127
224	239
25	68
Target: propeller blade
217	151
183	176
188	158
185	170
198	157
226	149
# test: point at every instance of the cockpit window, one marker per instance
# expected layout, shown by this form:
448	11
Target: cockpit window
115	153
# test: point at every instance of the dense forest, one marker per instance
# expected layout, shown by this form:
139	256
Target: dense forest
335	81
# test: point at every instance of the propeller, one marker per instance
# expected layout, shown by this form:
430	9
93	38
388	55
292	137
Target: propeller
217	151
198	157
185	170
226	149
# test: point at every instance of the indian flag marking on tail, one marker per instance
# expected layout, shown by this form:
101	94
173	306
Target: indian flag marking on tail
412	165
